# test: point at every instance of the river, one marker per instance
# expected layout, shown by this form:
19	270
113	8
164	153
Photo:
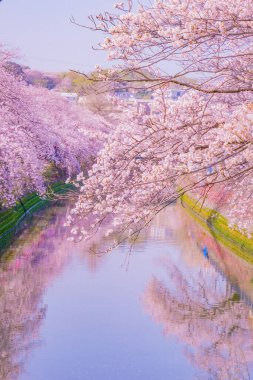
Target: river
177	306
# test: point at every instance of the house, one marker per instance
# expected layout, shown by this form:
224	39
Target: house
175	93
70	96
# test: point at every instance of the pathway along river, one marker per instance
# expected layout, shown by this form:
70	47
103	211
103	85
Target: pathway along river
170	311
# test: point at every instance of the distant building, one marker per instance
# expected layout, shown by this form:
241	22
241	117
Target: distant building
82	100
175	93
143	94
70	96
142	98
143	107
122	93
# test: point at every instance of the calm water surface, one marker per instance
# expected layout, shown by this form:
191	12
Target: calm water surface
165	312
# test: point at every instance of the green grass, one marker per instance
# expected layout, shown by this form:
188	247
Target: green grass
217	225
12	217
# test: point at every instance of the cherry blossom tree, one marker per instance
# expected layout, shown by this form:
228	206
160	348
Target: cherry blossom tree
38	127
203	140
201	36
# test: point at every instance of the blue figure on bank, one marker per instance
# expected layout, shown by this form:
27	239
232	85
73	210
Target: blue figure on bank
205	252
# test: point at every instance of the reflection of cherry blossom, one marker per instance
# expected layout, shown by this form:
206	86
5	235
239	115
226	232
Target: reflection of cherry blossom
23	282
208	317
34	260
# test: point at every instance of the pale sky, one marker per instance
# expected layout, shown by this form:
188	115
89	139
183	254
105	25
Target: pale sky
44	36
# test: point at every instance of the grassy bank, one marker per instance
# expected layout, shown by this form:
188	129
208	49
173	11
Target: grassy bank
217	225
12	218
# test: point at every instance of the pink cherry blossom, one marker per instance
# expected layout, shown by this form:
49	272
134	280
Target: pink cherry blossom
37	128
200	143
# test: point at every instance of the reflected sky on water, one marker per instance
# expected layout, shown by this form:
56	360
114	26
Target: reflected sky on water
166	311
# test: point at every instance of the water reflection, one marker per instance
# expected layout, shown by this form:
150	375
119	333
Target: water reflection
27	269
203	302
202	307
205	313
23	281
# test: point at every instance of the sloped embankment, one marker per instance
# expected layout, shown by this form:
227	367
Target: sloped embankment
217	225
11	220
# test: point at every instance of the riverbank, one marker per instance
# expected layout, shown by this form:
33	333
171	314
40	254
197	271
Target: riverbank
12	219
217	225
